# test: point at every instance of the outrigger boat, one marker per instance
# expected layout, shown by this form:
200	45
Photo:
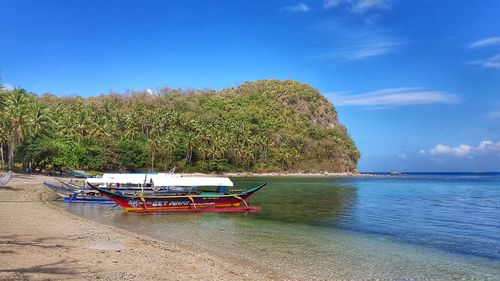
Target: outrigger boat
122	183
58	188
71	185
5	179
184	195
70	195
78	198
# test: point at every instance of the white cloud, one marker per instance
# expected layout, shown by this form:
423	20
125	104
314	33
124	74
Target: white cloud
461	150
298	8
363	5
7	86
421	151
491	62
353	41
402	156
365	49
357	6
485	42
333	3
486	147
393	97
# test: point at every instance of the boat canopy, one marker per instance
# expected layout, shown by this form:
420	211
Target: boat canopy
161	179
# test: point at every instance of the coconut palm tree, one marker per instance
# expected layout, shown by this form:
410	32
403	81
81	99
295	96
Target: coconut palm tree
38	120
3	137
154	144
3	125
16	118
170	142
189	144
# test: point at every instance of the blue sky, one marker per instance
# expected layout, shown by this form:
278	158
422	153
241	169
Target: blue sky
417	83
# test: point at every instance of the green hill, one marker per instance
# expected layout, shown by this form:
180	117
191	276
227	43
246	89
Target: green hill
267	125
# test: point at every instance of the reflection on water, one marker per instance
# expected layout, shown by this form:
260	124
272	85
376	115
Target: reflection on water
324	228
309	201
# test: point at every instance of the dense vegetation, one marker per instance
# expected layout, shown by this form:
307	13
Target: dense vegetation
267	125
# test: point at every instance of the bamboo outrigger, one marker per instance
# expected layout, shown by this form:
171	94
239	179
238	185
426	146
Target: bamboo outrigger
180	194
74	195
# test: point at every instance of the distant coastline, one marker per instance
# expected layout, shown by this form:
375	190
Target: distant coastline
292	174
346	174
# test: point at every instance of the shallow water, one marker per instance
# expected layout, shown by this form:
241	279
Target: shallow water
415	227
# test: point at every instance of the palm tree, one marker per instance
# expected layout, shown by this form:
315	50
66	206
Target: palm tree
189	144
203	134
16	117
153	144
3	125
38	121
101	128
130	127
3	135
170	142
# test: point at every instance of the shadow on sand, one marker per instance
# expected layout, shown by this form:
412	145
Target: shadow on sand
10	188
9	243
17	240
62	267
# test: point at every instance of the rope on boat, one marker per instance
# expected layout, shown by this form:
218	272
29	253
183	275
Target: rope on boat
112	207
143	202
245	202
73	196
192	201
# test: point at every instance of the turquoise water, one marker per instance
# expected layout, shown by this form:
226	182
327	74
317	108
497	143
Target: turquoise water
416	227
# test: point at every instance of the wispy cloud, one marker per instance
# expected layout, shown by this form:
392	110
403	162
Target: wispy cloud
7	86
485	42
298	8
491	62
494	115
393	97
354	41
333	3
357	6
484	148
363	5
366	49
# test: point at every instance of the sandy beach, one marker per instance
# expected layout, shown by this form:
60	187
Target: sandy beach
39	241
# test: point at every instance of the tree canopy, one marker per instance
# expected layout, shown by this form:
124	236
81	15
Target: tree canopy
266	125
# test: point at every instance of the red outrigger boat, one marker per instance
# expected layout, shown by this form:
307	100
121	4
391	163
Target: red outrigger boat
226	201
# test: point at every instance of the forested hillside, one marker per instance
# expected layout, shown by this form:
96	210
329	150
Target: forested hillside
267	125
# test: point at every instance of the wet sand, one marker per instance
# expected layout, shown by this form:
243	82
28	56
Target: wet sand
39	241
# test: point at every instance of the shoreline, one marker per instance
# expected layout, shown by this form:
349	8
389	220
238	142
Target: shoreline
43	240
298	174
40	241
252	174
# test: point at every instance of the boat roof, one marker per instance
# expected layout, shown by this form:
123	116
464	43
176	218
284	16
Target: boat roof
162	179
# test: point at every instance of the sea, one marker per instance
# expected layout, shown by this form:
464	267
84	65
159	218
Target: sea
409	226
